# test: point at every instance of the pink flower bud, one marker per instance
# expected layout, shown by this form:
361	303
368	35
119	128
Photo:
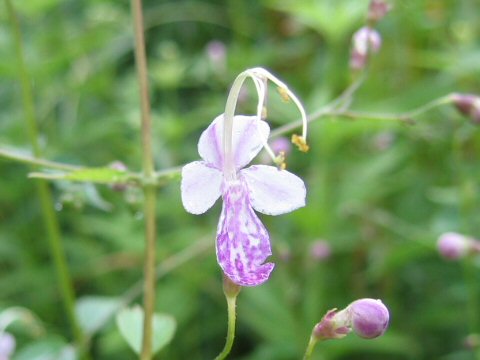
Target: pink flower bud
217	53
377	10
365	41
369	318
7	345
320	250
468	105
455	246
281	144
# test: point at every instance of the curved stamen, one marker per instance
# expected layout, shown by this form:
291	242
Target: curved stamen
258	76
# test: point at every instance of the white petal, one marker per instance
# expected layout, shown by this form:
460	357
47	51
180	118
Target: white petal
249	135
274	191
200	187
210	145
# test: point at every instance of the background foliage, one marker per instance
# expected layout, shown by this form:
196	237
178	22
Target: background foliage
379	192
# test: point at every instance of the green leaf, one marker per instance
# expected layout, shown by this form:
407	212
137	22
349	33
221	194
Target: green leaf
130	324
102	175
49	348
94	311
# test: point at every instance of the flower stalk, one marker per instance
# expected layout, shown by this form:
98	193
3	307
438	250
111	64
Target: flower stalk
231	291
149	187
46	201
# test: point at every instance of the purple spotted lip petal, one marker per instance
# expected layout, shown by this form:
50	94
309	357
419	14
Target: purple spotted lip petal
242	241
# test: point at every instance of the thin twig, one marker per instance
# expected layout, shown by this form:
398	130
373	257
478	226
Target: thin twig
36	161
46	201
149	174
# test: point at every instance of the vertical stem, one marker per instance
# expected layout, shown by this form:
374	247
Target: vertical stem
231	291
45	196
149	173
311	345
465	208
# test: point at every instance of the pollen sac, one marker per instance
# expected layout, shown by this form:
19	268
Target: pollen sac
283	94
300	142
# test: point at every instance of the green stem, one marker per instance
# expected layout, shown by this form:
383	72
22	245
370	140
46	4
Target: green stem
45	196
336	108
465	208
231	291
35	161
149	188
311	345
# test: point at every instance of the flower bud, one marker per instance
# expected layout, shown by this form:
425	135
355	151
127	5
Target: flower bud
455	246
365	41
320	250
468	105
7	345
217	54
281	144
369	318
377	10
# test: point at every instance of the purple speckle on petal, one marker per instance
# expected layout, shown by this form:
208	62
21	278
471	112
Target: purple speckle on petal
243	243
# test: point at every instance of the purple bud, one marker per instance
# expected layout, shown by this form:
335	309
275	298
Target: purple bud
377	10
281	144
468	105
217	53
7	345
365	41
320	250
369	318
455	246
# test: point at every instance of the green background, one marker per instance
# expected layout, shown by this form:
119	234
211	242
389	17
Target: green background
380	192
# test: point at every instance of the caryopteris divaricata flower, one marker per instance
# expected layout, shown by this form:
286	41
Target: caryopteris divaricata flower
368	318
226	147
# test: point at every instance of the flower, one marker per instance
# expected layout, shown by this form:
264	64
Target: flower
243	243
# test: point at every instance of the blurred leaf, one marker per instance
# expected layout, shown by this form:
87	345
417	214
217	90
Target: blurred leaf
130	324
332	18
51	348
94	311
